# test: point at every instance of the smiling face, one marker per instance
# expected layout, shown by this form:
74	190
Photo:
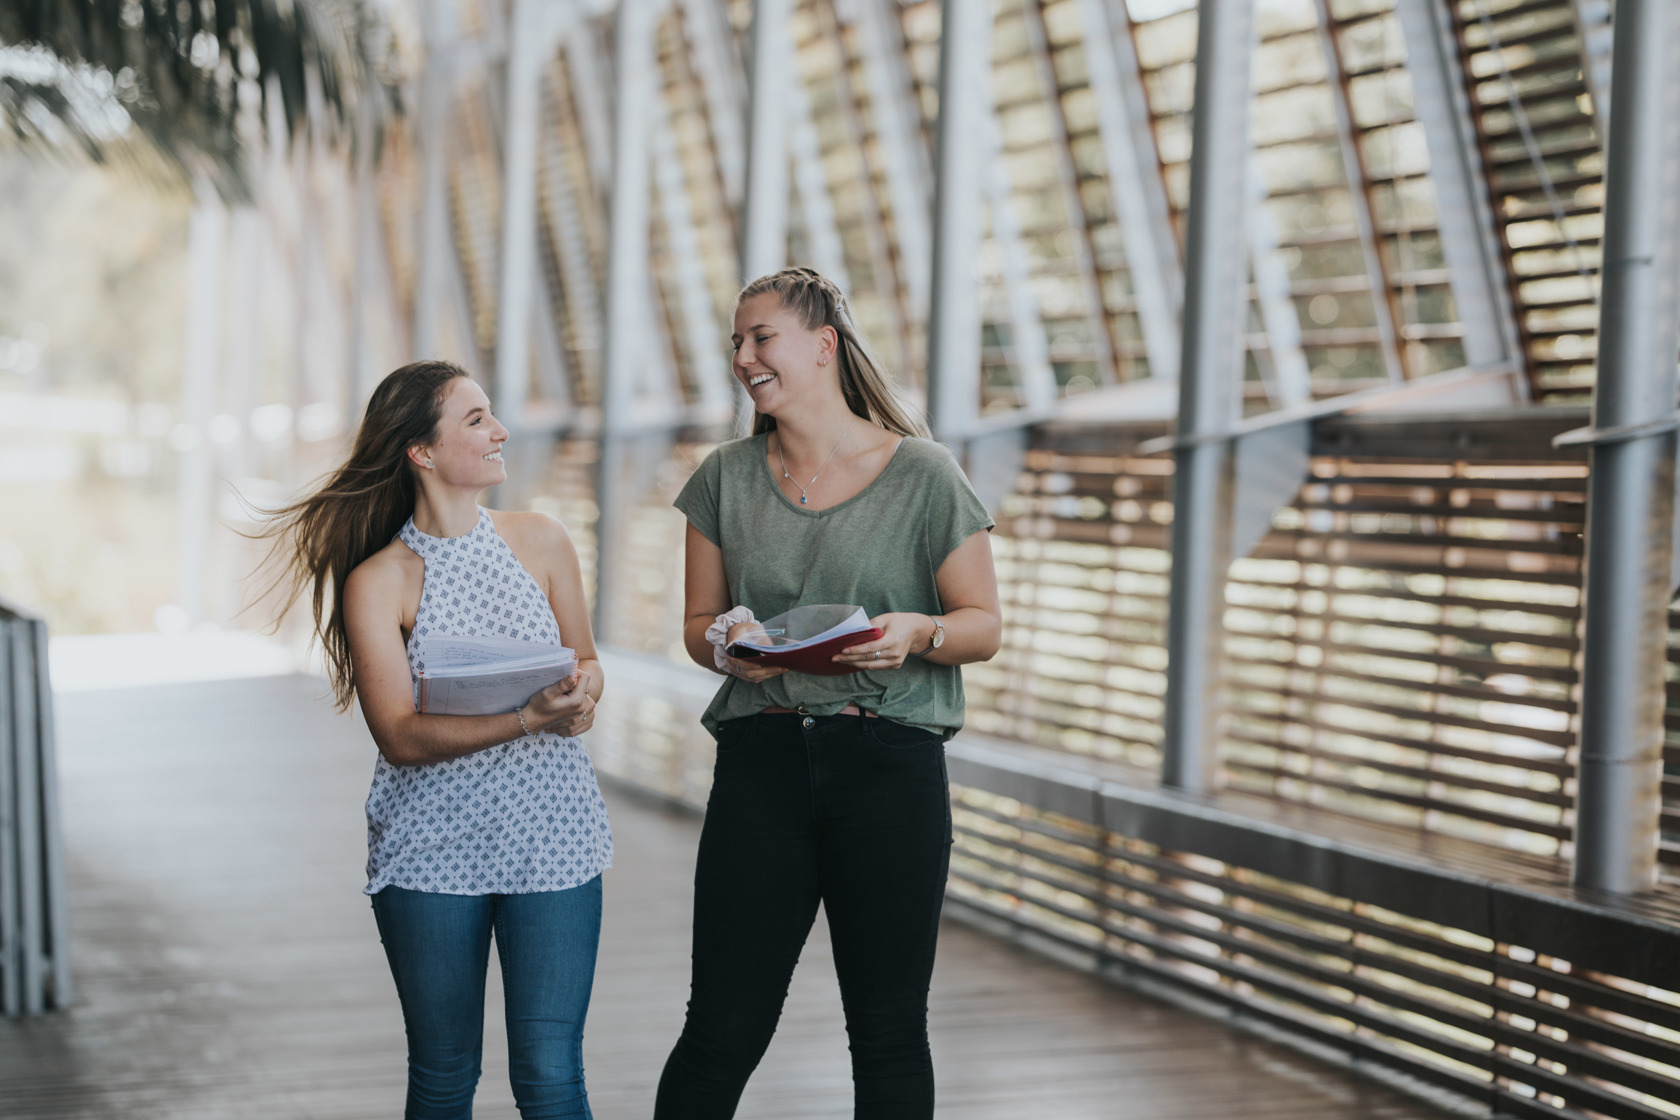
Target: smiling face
777	357
467	451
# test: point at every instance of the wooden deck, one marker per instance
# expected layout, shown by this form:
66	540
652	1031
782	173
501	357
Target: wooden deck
228	966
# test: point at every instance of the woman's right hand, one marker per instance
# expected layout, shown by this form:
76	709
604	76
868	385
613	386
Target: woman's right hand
564	707
747	668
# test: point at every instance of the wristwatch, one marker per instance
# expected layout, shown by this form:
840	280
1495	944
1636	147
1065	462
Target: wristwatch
938	638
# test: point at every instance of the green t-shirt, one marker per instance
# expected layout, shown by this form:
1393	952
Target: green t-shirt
879	551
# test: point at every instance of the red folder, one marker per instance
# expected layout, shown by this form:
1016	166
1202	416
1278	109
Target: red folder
815	660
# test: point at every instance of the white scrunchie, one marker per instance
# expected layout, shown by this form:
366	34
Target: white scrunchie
718	634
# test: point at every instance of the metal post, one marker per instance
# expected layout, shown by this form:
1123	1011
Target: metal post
519	212
635	69
1208	402
764	211
1629	553
195	469
959	182
436	94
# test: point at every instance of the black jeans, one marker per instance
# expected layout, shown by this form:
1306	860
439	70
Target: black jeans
850	811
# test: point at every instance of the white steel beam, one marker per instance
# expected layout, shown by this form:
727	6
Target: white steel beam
810	178
1134	180
527	48
698	318
594	121
898	129
1469	236
1353	168
1288	381
636	72
437	93
1208	400
1031	347
719	71
959	183
1073	203
764	211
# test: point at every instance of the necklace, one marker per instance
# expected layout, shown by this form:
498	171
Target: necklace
824	467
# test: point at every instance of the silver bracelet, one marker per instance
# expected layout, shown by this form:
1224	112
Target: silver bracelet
520	712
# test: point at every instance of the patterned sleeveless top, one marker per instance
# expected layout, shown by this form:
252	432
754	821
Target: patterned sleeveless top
516	818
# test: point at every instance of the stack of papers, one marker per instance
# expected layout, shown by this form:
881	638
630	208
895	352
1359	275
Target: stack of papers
806	638
485	676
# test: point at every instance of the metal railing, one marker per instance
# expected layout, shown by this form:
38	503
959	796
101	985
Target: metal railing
34	935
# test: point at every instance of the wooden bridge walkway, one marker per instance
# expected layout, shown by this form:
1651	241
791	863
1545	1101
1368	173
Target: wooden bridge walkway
228	965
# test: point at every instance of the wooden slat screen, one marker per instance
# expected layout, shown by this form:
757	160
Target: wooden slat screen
1500	1025
1402	646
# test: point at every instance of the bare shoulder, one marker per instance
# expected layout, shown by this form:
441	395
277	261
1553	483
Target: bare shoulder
388	574
527	529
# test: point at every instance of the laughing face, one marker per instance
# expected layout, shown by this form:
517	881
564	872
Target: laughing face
777	357
468	449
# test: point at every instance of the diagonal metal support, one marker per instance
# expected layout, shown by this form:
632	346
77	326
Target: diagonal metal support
1288	380
898	129
1073	203
1469	235
810	179
1134	180
719	71
1031	346
698	320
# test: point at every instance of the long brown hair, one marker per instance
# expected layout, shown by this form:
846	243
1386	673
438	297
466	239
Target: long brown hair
320	538
819	303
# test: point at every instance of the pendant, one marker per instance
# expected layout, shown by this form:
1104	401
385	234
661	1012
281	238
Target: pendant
801	499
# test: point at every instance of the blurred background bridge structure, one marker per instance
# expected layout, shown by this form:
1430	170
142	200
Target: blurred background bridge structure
1277	334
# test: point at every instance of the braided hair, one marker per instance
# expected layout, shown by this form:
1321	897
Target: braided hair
868	390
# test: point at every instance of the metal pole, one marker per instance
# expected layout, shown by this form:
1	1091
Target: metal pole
764	211
435	97
635	66
519	213
953	386
1629	553
1208	402
196	466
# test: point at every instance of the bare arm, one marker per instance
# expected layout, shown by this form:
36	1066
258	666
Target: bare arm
973	617
705	596
373	607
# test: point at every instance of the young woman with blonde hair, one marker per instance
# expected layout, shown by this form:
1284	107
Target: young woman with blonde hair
476	824
827	789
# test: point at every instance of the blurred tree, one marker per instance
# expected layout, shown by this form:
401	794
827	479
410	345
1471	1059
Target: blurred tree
182	88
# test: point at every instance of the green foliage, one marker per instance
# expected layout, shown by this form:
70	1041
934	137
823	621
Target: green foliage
195	82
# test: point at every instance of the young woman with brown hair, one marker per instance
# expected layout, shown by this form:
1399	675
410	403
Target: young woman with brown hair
827	789
476	824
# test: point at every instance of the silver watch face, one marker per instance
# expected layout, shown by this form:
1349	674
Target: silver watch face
938	634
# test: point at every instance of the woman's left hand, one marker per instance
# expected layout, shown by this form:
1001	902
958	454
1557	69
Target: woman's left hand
902	634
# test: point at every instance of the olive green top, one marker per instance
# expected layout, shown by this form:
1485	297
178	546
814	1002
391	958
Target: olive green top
879	550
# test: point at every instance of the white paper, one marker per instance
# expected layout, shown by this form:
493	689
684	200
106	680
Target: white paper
805	626
485	676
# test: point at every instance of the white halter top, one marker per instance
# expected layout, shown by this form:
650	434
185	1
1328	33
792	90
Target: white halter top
520	817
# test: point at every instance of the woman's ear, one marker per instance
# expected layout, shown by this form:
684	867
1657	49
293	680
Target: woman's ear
829	346
420	456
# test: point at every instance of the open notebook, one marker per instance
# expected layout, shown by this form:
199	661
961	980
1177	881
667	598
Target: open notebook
805	639
485	676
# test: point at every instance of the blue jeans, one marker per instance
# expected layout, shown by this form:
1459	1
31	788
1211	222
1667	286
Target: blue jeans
439	949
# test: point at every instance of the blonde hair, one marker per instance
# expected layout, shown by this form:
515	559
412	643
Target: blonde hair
869	391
